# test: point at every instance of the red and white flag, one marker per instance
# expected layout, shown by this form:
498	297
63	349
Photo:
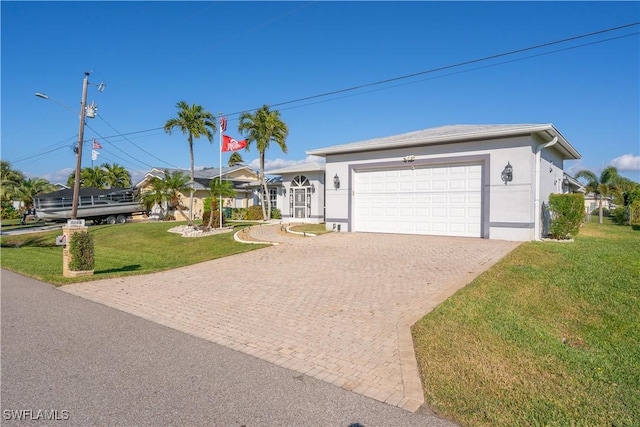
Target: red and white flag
96	145
230	144
223	123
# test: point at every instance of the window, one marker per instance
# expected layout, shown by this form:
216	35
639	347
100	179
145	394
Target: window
273	196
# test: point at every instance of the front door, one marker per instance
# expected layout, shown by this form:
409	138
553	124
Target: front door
300	203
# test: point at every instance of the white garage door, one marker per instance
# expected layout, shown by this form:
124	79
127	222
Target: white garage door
443	201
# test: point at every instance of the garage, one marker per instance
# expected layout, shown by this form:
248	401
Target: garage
491	181
436	200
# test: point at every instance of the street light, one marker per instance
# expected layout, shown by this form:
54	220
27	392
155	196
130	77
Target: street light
76	182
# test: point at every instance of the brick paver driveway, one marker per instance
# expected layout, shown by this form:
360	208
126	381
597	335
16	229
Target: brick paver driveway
337	307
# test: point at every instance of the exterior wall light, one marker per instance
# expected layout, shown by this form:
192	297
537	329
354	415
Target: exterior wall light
507	173
336	182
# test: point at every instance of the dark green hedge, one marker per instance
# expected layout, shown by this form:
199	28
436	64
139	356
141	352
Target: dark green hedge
81	251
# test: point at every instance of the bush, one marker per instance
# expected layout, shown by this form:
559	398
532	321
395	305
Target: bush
81	251
596	212
216	219
254	213
621	215
566	214
239	214
276	214
9	212
634	214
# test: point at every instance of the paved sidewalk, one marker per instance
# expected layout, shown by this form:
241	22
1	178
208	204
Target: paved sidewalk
337	307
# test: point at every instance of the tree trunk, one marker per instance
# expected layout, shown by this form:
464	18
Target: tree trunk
600	221
192	179
266	214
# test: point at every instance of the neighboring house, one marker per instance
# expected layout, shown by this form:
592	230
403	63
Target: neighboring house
274	186
592	203
488	181
301	195
239	175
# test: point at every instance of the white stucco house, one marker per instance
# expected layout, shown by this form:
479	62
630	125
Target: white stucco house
301	195
487	181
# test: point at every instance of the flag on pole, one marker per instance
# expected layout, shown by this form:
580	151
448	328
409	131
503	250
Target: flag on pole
96	145
94	155
223	123
230	144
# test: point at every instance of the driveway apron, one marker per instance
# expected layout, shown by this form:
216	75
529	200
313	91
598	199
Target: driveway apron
337	307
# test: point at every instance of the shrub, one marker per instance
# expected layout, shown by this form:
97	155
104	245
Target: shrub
239	214
596	212
621	215
81	252
276	214
9	212
634	215
216	219
254	213
566	214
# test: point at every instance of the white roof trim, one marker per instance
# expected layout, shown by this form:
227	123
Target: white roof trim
451	134
302	167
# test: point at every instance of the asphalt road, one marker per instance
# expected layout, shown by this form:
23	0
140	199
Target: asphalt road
86	364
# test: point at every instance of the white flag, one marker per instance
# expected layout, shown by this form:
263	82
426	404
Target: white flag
94	155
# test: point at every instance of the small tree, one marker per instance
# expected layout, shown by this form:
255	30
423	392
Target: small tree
566	214
219	189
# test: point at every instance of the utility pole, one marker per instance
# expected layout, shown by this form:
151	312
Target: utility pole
76	183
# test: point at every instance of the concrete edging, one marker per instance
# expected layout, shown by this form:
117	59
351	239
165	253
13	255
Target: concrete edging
237	238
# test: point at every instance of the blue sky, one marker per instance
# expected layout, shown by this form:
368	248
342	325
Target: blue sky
235	56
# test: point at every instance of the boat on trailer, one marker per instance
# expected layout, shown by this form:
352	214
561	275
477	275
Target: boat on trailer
109	206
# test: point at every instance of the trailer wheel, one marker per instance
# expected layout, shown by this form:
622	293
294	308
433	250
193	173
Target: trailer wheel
121	219
111	219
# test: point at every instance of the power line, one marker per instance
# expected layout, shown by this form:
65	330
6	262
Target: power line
138	147
119	149
465	71
447	67
389	80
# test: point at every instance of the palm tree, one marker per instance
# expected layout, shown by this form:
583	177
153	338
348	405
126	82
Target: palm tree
116	176
89	177
193	121
9	179
235	159
27	189
168	190
262	128
219	189
600	186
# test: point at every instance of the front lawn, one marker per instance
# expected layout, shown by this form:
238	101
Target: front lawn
120	250
549	336
311	228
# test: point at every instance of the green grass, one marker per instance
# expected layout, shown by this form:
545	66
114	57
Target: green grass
311	228
549	336
120	250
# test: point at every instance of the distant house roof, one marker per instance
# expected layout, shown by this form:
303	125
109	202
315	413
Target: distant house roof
298	168
271	181
452	134
200	176
575	185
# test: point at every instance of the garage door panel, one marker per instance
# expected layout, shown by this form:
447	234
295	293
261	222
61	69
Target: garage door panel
436	200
